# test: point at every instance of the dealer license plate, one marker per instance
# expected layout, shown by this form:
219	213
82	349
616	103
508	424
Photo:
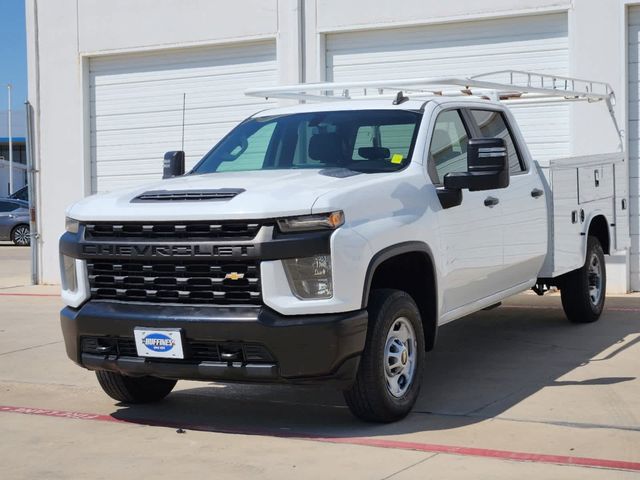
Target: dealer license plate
159	343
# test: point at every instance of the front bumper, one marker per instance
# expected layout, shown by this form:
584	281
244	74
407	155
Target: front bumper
304	348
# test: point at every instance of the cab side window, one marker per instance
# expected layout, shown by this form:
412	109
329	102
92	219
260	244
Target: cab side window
448	149
493	125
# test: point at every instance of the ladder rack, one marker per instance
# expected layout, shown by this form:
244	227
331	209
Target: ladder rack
511	86
517	84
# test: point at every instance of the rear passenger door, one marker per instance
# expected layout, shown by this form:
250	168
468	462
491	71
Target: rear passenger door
523	202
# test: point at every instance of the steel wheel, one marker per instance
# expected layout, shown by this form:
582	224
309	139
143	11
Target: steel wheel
595	279
400	357
388	380
21	235
583	291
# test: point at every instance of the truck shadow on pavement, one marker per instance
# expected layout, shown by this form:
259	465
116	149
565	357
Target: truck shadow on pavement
483	366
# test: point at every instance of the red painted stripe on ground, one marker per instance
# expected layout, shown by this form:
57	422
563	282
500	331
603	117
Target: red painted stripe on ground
545	307
362	441
4	294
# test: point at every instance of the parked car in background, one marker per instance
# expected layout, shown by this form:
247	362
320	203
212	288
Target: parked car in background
14	221
22	194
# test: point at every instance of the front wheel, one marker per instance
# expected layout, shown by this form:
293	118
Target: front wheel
390	372
134	389
583	290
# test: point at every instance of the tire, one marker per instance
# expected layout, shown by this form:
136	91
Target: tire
379	393
583	290
134	389
20	235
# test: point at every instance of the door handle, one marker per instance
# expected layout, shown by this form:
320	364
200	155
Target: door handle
536	192
491	201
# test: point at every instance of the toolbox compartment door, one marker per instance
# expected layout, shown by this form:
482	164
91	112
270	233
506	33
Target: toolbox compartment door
595	183
621	210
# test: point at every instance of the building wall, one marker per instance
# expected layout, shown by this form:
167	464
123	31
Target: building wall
62	36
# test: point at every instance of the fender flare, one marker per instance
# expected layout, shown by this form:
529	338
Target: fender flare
393	251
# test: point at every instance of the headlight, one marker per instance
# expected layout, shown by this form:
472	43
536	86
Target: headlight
71	225
310	277
69	277
305	223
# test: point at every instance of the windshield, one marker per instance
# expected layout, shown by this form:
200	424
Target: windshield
368	141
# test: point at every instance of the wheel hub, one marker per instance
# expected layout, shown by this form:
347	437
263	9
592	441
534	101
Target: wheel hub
21	236
400	357
594	277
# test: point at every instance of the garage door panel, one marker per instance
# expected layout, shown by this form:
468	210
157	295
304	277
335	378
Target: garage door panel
466	33
208	91
452	53
169	117
536	43
170	60
453	66
169	103
148	137
181	75
136	106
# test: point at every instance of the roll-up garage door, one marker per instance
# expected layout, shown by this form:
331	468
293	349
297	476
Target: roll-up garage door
537	42
136	103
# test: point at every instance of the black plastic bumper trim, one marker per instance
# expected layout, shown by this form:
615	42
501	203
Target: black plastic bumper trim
306	348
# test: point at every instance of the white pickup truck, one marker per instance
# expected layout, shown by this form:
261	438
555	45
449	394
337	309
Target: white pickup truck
325	242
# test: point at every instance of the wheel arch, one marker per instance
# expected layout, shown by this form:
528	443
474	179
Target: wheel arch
599	228
410	267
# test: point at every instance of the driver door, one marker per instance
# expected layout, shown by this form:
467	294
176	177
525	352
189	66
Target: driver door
471	235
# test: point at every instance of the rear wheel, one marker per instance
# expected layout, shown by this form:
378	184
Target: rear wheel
390	371
21	236
583	290
134	389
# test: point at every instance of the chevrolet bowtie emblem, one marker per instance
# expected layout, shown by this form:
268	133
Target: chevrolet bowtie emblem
234	276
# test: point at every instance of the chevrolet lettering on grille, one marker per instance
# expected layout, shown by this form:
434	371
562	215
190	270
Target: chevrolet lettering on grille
167	250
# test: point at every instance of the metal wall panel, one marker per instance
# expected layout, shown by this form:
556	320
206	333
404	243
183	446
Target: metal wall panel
136	106
634	143
537	43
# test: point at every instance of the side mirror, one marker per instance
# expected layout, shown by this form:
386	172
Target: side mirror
488	167
173	165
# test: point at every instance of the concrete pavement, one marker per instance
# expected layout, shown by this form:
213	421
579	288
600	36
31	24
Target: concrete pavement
515	380
15	267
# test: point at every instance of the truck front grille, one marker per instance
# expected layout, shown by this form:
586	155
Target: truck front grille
172	230
210	282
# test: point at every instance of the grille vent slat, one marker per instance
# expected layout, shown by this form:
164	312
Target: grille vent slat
195	350
168	231
188	195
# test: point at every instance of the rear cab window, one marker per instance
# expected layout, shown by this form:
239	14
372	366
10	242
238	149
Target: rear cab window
492	124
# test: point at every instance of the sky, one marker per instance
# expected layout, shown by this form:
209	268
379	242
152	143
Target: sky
13	65
13	53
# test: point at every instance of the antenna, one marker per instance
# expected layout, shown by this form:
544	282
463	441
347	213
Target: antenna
184	102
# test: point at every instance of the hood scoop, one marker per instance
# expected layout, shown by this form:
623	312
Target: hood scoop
188	195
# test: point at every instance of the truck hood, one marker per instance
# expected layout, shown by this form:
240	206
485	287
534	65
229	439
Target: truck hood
267	194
